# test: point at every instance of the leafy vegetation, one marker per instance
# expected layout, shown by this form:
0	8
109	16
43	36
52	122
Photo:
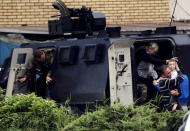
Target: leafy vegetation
28	112
121	118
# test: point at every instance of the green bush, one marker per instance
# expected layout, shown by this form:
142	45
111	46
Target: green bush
121	118
28	112
2	94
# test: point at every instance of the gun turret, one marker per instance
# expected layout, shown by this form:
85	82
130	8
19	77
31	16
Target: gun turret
76	21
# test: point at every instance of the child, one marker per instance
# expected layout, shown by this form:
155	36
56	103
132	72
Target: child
184	86
173	65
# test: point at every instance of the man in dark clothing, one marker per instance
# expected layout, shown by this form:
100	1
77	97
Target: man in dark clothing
43	62
169	88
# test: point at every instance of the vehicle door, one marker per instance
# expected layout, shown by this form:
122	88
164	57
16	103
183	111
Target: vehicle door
21	62
121	85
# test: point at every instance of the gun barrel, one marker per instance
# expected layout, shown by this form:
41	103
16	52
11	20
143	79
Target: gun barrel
57	15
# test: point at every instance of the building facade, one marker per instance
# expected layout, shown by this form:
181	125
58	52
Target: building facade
14	13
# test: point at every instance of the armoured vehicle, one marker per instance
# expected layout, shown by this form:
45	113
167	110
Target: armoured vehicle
98	67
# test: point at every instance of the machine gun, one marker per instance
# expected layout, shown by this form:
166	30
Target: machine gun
75	21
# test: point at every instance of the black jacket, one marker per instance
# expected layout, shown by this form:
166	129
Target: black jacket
144	56
166	85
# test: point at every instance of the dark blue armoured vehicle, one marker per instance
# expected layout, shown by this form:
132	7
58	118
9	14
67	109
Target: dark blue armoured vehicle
91	67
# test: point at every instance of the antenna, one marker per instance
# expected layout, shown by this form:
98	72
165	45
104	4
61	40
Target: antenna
173	13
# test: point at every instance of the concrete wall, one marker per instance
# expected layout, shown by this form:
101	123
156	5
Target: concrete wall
37	12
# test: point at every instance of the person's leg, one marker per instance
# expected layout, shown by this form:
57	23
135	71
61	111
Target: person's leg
151	90
41	87
184	107
15	88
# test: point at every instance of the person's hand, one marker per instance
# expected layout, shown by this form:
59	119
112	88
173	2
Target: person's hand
155	82
48	79
167	61
177	67
23	79
175	59
174	92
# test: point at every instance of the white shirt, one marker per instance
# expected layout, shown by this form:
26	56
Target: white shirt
174	74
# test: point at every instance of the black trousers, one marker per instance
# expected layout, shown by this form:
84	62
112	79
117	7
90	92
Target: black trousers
21	88
41	87
151	90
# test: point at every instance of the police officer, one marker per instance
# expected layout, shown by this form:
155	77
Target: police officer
43	61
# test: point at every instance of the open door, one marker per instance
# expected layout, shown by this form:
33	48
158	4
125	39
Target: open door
121	88
21	62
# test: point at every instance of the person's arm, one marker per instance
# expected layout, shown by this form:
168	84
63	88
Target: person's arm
184	86
163	84
174	107
176	92
49	73
180	74
175	83
51	59
156	84
49	77
152	59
